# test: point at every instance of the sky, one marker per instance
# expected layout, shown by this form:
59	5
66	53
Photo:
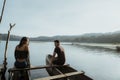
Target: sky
35	18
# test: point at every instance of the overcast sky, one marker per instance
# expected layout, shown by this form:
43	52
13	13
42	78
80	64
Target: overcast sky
60	17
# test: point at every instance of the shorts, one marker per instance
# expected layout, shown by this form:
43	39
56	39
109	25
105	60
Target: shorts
58	62
20	64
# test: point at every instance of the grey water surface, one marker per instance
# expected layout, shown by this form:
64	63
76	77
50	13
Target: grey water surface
99	64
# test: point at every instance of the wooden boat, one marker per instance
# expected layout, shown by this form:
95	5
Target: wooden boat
67	72
18	74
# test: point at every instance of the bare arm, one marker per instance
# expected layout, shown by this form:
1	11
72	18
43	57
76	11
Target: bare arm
28	59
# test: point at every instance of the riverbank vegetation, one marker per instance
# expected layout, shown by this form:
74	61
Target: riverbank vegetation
111	37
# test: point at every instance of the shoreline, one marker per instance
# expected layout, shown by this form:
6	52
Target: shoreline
100	45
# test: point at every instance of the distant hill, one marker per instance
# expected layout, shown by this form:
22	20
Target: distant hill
111	37
12	37
61	38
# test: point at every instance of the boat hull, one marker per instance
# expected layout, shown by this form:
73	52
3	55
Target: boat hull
19	75
63	70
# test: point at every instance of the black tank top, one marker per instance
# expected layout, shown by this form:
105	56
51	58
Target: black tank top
21	54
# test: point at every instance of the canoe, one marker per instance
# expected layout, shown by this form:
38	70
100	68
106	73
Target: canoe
68	72
18	74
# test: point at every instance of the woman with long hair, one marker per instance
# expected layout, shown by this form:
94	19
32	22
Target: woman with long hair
22	54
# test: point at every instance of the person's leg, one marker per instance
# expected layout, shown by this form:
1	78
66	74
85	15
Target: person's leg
55	61
58	62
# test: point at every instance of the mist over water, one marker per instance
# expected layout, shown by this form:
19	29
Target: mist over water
98	63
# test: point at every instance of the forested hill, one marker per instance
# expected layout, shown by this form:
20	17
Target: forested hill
113	37
12	37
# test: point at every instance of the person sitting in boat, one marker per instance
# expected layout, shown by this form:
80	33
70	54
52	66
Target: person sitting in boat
60	59
22	54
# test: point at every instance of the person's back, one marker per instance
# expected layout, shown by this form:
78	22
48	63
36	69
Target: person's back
22	54
60	55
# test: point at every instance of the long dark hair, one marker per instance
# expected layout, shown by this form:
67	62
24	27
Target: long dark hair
22	41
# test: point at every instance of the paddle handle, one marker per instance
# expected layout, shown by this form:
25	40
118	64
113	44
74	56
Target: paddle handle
38	67
2	11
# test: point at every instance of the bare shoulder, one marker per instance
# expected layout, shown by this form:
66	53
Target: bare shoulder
17	47
61	48
26	47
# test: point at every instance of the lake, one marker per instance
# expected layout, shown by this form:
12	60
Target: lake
98	63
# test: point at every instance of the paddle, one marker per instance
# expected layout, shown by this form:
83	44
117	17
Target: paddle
5	54
2	10
37	67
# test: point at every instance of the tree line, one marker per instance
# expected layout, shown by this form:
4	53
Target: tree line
89	38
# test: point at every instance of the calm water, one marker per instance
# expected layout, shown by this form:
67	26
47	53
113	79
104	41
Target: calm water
99	64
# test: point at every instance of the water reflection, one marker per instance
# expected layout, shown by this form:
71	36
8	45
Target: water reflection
97	49
99	63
